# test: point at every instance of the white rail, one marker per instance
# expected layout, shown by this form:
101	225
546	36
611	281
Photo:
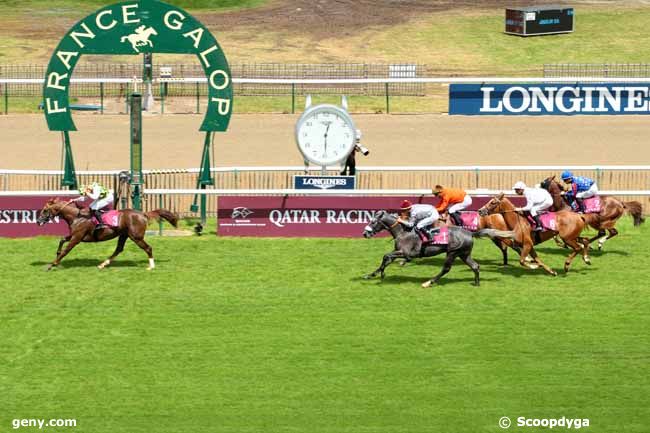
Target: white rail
437	80
361	169
340	192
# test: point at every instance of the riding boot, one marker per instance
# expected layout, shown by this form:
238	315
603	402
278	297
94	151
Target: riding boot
456	219
98	215
538	224
423	233
581	205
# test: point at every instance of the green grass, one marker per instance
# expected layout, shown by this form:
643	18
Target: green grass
282	335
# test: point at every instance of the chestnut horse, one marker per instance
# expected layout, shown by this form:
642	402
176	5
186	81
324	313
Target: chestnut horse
569	224
611	210
131	224
494	221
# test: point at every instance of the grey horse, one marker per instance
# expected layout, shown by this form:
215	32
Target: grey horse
408	245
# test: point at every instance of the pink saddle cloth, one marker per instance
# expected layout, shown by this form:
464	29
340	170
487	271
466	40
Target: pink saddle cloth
470	220
549	221
110	218
441	237
592	204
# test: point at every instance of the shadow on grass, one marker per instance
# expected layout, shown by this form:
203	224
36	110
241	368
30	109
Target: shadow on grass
92	263
447	279
593	252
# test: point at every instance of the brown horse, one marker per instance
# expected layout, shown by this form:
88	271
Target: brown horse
494	221
131	224
611	211
569	228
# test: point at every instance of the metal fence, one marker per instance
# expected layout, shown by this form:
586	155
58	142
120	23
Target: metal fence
605	70
612	178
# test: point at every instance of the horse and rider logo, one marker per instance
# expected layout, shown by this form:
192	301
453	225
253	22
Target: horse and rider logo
140	38
240	213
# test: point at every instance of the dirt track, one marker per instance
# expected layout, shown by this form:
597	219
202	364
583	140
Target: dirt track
172	141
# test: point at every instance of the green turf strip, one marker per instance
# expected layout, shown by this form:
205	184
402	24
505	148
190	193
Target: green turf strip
282	335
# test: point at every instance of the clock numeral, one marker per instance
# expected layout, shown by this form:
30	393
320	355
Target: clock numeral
308	124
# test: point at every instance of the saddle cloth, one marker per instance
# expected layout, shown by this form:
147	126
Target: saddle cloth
592	204
110	218
548	219
440	237
470	220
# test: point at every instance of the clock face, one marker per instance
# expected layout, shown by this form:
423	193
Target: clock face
325	134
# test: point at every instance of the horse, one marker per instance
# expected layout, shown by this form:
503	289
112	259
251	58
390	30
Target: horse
494	221
611	211
140	37
132	224
408	245
569	227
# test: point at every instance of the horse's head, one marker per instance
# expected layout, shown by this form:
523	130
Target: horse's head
551	185
49	211
494	205
381	220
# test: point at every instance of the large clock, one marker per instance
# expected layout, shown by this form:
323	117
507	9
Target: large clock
325	134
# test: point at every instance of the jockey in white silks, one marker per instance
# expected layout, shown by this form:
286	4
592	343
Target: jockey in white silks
418	216
537	200
101	197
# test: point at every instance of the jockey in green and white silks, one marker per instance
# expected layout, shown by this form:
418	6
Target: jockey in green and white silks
101	197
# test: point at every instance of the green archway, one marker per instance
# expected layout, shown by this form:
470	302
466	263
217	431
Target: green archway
134	28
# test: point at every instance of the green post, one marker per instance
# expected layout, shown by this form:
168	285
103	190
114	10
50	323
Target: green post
136	150
6	98
69	174
126	97
198	98
205	178
162	98
101	97
387	99
293	98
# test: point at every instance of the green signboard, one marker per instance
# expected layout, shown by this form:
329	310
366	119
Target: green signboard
133	28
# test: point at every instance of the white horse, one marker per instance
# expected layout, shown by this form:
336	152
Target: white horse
140	37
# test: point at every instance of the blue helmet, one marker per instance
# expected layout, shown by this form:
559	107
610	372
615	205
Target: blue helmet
566	174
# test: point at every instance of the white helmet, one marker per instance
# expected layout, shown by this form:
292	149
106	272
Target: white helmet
519	185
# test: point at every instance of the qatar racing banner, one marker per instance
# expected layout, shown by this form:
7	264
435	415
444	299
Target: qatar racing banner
18	216
549	99
341	216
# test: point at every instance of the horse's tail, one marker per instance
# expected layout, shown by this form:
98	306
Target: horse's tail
124	38
635	209
164	214
493	233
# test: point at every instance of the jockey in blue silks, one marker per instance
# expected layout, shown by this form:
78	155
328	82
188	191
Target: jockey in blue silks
580	188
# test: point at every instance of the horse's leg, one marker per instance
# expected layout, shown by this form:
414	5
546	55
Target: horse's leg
469	261
599	235
147	249
539	261
71	244
504	250
445	268
601	242
576	249
118	249
559	242
386	260
61	242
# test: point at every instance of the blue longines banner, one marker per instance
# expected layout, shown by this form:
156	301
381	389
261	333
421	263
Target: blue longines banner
549	99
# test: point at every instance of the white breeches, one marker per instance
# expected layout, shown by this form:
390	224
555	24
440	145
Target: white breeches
428	221
539	207
467	202
102	202
592	191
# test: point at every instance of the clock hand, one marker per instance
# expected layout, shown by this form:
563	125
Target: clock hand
325	148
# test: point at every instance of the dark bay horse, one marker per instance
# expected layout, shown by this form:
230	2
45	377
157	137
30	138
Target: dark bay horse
611	211
569	227
132	225
408	245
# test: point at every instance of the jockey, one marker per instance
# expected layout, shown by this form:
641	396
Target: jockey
580	189
420	216
452	200
537	200
101	197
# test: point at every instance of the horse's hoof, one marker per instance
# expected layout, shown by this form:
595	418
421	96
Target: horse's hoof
367	277
587	260
426	284
533	266
150	268
476	284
